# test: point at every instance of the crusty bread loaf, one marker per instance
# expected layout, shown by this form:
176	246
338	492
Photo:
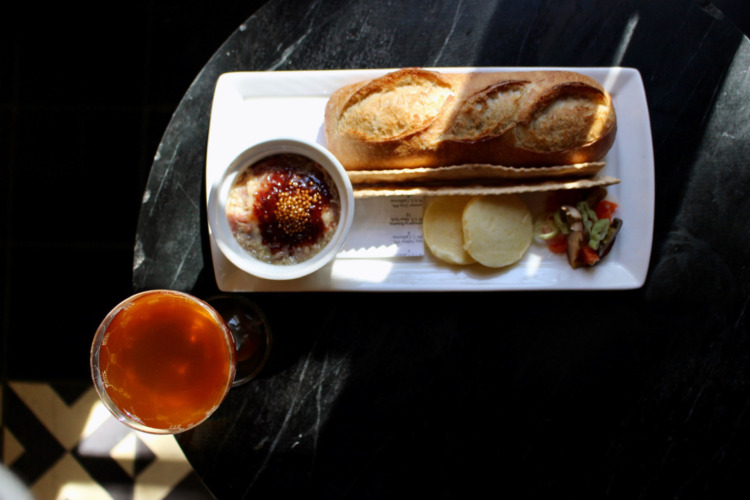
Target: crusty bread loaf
414	118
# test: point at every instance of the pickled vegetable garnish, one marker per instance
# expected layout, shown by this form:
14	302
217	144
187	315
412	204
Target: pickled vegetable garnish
584	230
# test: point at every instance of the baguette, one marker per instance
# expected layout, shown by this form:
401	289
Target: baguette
415	118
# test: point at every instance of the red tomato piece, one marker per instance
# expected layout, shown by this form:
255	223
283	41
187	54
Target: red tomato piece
558	244
590	257
605	209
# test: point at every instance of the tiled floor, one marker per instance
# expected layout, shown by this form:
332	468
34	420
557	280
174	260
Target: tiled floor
65	445
86	91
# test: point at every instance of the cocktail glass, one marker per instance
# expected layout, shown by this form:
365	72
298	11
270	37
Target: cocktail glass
162	361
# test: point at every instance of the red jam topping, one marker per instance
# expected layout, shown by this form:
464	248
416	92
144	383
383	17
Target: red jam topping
290	204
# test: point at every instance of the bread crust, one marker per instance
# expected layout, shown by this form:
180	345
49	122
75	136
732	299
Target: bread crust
415	118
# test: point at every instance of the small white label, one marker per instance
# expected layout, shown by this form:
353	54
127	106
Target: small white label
386	227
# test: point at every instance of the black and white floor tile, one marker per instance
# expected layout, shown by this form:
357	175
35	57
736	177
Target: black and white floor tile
64	444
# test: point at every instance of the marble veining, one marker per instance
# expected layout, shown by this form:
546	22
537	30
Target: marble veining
449	36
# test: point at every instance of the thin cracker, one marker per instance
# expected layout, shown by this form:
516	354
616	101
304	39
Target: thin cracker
484	189
471	172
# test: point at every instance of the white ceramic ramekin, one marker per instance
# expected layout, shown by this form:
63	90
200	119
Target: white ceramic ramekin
219	224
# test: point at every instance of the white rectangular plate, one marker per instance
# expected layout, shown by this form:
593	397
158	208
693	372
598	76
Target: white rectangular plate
249	107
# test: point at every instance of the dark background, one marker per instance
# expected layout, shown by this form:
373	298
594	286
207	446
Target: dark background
86	93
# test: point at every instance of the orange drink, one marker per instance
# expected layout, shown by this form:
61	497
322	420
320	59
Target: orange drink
162	361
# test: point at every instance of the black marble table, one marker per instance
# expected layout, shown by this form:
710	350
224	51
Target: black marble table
595	394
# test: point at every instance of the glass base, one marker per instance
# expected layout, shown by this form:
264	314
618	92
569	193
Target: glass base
251	332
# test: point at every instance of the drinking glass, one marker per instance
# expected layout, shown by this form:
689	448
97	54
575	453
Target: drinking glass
162	361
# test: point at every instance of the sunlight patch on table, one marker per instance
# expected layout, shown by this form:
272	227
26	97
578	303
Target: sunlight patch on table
368	271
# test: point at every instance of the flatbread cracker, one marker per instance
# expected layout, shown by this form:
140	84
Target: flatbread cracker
471	172
477	189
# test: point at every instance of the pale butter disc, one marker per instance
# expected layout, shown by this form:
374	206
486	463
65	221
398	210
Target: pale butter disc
497	229
443	229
